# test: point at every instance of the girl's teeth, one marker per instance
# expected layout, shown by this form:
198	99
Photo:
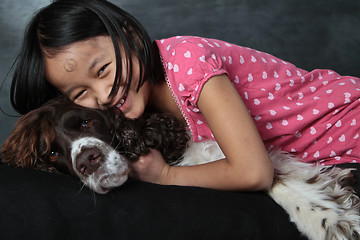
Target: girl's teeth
121	103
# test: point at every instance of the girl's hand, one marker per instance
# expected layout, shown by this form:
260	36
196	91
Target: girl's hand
150	168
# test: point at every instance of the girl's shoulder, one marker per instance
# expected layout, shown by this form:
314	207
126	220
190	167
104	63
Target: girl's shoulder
195	44
207	48
191	59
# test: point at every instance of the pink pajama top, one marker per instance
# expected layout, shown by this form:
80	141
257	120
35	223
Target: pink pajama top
314	115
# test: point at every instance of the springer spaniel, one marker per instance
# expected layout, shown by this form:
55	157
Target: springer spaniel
97	145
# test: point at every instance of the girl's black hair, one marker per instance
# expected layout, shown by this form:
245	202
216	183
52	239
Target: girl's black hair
68	21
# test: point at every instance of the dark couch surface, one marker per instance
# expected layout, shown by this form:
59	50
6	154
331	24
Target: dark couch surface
53	206
35	204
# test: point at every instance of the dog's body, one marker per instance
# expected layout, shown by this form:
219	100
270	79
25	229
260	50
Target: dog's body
96	147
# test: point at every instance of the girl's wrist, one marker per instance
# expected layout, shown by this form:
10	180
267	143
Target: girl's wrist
164	174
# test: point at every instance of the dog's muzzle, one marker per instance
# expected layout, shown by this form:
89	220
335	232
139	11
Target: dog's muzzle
98	165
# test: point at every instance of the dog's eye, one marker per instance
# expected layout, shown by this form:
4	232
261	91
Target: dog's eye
86	123
53	156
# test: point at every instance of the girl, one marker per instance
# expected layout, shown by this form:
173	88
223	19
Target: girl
248	101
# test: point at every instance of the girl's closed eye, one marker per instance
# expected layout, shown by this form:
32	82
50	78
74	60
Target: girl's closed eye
102	70
79	95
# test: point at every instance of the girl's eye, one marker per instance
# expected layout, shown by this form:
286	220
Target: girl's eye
102	70
86	123
54	156
79	94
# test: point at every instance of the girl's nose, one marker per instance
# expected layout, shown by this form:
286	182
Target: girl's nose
103	98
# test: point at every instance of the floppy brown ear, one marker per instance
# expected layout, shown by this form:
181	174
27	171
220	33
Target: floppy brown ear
165	133
21	149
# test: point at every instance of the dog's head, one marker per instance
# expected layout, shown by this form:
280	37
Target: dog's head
64	137
93	145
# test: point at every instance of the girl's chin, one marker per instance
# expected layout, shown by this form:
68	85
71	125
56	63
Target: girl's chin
132	115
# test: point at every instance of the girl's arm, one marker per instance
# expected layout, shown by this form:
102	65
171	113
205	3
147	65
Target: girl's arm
247	165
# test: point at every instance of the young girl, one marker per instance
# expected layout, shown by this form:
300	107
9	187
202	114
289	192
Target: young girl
248	101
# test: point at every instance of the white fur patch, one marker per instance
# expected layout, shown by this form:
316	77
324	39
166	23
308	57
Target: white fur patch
112	172
312	196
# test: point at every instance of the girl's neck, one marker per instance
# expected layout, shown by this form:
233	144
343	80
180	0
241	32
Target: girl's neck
162	100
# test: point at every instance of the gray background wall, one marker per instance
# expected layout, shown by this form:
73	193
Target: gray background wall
309	33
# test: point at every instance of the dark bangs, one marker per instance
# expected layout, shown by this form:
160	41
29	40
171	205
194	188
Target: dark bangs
68	21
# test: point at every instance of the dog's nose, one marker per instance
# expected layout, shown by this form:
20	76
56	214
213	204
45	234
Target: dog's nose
89	161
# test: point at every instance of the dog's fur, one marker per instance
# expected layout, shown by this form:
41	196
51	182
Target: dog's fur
96	146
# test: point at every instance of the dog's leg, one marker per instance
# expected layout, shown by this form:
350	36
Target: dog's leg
315	198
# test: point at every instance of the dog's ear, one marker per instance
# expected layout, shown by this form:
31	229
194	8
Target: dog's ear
152	130
22	147
129	135
167	134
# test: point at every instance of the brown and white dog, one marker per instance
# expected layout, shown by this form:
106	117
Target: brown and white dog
97	145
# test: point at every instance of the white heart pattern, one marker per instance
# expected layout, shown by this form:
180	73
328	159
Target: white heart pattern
271	96
276	75
313	131
264	75
170	66
236	79
338	123
246	95
331	105
277	86
187	54
342	138
286	108
242	60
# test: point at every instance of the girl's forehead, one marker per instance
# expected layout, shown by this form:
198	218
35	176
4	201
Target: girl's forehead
90	46
89	51
77	60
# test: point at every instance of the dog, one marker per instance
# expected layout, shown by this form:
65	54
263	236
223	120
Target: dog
97	146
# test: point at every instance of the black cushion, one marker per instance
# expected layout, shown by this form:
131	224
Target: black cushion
54	206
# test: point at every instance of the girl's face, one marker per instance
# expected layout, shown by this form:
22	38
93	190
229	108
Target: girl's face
85	72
